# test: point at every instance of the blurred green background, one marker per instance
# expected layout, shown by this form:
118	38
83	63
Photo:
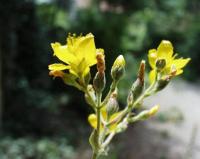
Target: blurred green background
40	118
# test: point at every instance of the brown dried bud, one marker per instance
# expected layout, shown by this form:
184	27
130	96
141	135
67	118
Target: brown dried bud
141	72
56	73
100	61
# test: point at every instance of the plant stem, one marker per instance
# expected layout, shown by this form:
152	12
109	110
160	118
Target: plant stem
98	115
94	155
109	138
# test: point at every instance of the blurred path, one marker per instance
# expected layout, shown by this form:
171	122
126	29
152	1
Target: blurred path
185	98
176	137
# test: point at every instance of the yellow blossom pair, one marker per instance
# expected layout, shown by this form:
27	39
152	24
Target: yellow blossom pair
78	55
165	52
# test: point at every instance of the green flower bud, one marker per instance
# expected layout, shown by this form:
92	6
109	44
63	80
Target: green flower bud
160	64
146	114
112	105
138	86
70	79
162	83
99	82
91	91
87	78
154	110
118	68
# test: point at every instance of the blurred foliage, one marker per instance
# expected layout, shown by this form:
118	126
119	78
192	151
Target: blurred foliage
35	104
27	148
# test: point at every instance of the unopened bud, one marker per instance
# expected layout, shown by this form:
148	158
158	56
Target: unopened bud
112	105
162	83
92	97
141	72
138	85
99	82
160	64
154	110
87	78
56	73
118	68
146	114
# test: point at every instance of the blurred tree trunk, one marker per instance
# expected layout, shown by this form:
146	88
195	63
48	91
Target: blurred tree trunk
1	87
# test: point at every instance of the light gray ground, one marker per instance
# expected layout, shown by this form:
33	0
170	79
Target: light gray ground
182	98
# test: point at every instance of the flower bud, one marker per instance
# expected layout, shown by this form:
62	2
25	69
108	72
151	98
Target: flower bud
138	85
87	78
99	82
91	92
154	110
118	68
162	83
146	114
160	64
141	72
100	61
112	105
56	73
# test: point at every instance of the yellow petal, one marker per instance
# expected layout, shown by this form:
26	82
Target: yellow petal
152	76
92	119
113	117
152	56
87	49
165	50
83	47
104	113
58	67
179	72
62	52
180	63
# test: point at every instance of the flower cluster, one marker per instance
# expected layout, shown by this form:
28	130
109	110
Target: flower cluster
163	61
108	118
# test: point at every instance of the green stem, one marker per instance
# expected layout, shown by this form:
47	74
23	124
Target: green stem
108	140
98	115
94	155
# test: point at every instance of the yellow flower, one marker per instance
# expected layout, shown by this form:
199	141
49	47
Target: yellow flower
165	52
78	55
92	119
